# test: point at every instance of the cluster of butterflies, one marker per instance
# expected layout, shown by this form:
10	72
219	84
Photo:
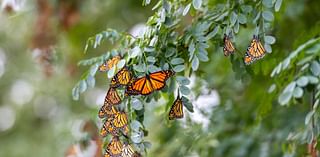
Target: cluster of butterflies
116	121
255	50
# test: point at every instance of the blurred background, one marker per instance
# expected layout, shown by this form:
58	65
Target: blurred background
41	42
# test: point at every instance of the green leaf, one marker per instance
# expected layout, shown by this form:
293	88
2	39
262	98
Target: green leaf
187	104
213	33
315	68
134	52
121	63
93	69
176	61
97	41
75	92
151	59
305	60
236	27
136	104
246	8
313	80
257	18
309	117
82	86
284	98
267	15
271	88
139	68
111	72
91	81
197	4
183	80
302	81
316	104
152	68
233	18
242	19
195	63
178	68
267	3
277	5
135	125
147	144
165	66
203	56
286	63
290	87
184	90
186	9
191	50
268	48
298	92
269	39
136	137
170	51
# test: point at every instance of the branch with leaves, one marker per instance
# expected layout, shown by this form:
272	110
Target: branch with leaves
169	44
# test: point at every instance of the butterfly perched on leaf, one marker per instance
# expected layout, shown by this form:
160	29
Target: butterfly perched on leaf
107	110
108	128
109	64
114	148
112	97
149	83
127	151
122	77
228	47
120	119
176	110
255	51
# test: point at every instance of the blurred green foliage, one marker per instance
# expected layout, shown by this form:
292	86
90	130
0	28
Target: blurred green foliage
269	108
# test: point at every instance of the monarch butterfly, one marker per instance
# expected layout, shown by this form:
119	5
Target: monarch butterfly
176	110
107	110
228	47
112	97
120	119
123	77
255	49
127	151
114	148
108	128
248	59
149	83
109	64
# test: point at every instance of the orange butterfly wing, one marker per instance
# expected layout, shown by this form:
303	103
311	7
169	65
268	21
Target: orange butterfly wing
120	119
114	148
176	110
123	77
108	128
150	83
248	59
112	97
228	47
256	50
